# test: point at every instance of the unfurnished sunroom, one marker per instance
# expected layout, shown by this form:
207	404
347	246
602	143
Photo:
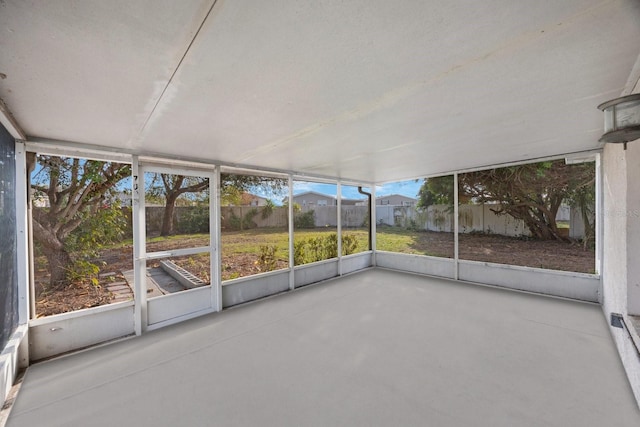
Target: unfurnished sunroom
154	159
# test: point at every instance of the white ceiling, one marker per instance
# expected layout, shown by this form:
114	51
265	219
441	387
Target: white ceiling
367	90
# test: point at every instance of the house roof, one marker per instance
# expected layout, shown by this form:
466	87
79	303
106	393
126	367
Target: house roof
248	197
395	195
315	193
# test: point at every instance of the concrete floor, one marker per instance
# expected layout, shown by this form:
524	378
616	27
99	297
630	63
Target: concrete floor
373	348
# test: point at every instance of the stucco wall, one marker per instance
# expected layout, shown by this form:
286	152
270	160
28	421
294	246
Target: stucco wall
621	249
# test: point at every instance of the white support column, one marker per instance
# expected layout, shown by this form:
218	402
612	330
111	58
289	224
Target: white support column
373	224
139	248
339	226
22	250
32	283
216	241
599	217
22	223
455	225
292	281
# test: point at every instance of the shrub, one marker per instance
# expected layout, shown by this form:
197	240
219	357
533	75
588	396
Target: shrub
267	259
98	229
305	220
243	223
267	209
320	248
194	220
349	244
299	252
83	271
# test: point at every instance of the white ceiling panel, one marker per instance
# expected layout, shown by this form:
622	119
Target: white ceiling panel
364	90
91	71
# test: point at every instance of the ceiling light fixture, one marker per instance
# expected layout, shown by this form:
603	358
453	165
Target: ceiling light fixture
621	119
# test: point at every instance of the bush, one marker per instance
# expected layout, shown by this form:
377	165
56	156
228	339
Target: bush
305	220
105	226
243	223
267	209
349	244
194	220
320	248
267	260
83	271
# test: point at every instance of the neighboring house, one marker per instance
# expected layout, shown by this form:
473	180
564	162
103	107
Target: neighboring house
248	199
396	200
354	202
313	199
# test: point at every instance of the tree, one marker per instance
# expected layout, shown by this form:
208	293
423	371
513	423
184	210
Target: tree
173	186
76	190
583	198
436	191
232	186
530	192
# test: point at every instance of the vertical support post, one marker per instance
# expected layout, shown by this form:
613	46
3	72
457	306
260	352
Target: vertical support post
215	243
372	228
22	223
32	282
599	212
22	249
339	225
456	221
139	247
292	281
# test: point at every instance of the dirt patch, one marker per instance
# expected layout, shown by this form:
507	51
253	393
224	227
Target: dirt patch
242	265
79	295
549	254
75	296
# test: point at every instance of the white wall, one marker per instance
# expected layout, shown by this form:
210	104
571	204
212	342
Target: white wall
621	247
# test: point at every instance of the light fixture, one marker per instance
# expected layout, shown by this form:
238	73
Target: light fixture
621	119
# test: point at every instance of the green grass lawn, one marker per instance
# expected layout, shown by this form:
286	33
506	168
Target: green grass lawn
250	241
397	240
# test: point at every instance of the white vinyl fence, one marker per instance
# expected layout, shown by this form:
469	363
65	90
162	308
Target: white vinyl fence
473	218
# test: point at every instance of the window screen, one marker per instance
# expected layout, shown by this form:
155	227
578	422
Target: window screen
8	271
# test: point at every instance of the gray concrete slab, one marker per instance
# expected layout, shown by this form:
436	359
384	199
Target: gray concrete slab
373	348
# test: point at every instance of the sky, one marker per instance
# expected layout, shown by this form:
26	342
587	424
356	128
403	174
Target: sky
406	188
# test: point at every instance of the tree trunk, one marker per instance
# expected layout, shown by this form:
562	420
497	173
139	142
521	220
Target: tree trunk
59	262
53	249
167	219
541	224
